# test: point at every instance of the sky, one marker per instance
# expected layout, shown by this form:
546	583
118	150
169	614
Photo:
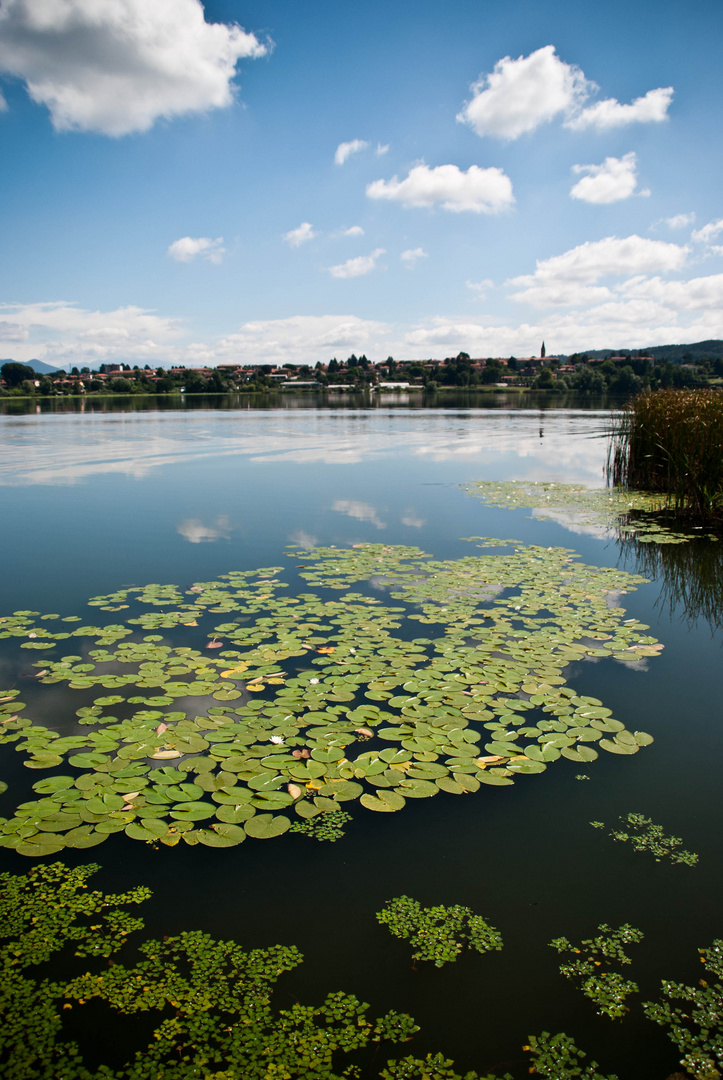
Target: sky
292	180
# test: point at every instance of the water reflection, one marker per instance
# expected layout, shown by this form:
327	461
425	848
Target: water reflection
68	449
197	533
690	576
360	510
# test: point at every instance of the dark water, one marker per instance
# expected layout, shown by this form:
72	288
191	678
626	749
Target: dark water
105	499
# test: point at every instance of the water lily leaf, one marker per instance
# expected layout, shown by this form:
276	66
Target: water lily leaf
446	783
49	785
225	834
306	809
341	790
615	747
39	846
384	801
494	781
642	738
84	836
166	755
232	814
193	811
265	826
418	789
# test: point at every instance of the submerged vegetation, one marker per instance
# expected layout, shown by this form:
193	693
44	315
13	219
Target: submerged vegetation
438	933
670	442
213	745
644	835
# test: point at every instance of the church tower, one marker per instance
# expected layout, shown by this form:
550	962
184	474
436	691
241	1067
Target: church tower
542	351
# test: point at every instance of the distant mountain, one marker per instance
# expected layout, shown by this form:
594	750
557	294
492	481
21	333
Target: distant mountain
38	366
695	351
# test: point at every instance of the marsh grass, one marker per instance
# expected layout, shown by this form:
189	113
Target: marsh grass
671	441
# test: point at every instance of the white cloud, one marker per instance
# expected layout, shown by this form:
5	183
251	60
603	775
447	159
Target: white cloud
60	333
679	221
521	94
10	331
117	66
188	247
604	115
610	182
355	230
296	237
345	149
3	103
413	520
380	150
566	278
709	232
300	339
483	191
480	287
358	267
410	257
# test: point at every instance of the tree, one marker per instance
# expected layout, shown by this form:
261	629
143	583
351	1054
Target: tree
14	373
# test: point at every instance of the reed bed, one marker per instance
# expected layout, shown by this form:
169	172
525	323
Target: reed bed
671	441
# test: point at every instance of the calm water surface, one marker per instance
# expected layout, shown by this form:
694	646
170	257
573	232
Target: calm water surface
101	500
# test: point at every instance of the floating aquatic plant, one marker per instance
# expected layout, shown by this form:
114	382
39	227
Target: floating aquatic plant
592	968
438	933
618	510
317	699
644	835
695	1026
325	826
211	998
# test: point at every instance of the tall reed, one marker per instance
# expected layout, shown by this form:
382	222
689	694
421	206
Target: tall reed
671	441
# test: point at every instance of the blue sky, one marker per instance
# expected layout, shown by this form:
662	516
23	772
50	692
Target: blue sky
288	181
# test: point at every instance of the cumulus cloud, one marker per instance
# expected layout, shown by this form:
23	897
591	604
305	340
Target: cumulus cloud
480	287
10	331
358	267
59	333
380	150
300	339
410	257
679	221
345	149
709	232
296	237
571	278
118	66
610	182
652	108
483	191
355	230
521	94
188	247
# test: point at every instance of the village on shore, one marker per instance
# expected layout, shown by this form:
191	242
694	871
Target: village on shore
627	373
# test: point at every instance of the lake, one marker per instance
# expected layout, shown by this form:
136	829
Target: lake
102	499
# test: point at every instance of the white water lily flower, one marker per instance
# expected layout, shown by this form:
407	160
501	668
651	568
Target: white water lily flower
276	739
313	682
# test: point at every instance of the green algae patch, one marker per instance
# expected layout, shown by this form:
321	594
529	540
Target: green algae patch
390	677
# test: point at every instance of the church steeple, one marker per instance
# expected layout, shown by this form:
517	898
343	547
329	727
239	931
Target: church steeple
542	351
